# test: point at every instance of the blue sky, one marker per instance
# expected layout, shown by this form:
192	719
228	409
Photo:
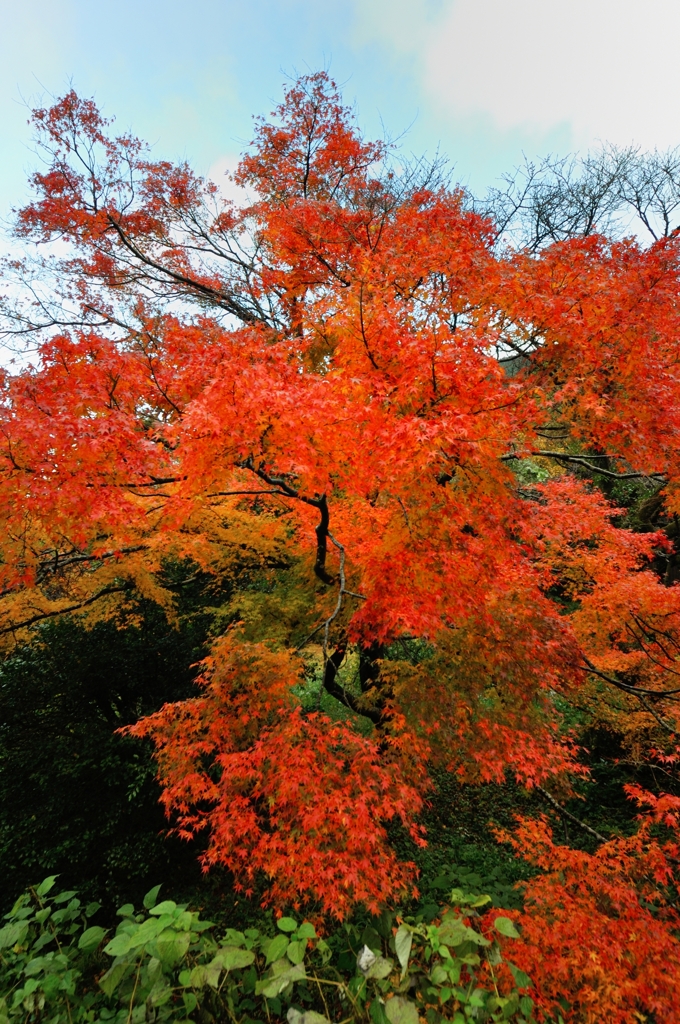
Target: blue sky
485	80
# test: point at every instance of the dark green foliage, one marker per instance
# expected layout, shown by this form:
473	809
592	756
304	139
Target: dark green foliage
75	798
462	851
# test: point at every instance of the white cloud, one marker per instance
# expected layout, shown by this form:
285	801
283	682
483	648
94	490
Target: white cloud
404	24
606	68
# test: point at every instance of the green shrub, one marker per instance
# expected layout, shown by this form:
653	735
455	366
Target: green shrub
166	964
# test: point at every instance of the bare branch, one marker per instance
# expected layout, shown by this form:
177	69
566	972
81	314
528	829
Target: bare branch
567	814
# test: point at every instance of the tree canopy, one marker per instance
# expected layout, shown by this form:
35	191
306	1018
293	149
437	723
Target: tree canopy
401	441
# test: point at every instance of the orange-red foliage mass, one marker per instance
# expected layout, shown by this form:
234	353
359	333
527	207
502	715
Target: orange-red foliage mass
378	427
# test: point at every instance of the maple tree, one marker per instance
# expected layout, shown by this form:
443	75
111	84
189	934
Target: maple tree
308	396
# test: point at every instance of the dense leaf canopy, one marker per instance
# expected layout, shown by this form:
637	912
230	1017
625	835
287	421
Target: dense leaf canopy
402	442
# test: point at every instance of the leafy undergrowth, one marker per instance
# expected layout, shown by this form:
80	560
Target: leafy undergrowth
167	964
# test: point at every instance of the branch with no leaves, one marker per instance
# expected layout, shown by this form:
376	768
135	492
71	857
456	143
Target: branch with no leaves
567	814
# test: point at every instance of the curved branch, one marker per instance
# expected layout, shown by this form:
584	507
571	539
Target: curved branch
319	503
636	691
225	301
41	616
341	694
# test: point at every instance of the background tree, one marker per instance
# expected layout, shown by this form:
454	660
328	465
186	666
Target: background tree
76	798
614	191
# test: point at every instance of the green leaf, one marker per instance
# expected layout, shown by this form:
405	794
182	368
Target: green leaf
277	948
46	885
36	965
296	951
64	897
306	931
438	975
146	931
200	926
478	998
190	1001
286	924
325	950
522	980
110	981
526	1005
282	974
127	910
451	931
13	933
234	938
119	944
399	1010
493	955
308	1017
91	938
467	900
202	976
441	882
183	920
380	968
92	909
231	958
149	900
403	941
506	927
161	993
172	946
166	907
377	1012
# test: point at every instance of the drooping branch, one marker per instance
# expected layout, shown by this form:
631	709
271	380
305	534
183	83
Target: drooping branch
57	561
650	710
332	662
335	689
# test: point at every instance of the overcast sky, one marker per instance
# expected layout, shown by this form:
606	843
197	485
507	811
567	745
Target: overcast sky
483	80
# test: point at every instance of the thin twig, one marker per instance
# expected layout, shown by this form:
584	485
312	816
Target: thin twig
567	814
